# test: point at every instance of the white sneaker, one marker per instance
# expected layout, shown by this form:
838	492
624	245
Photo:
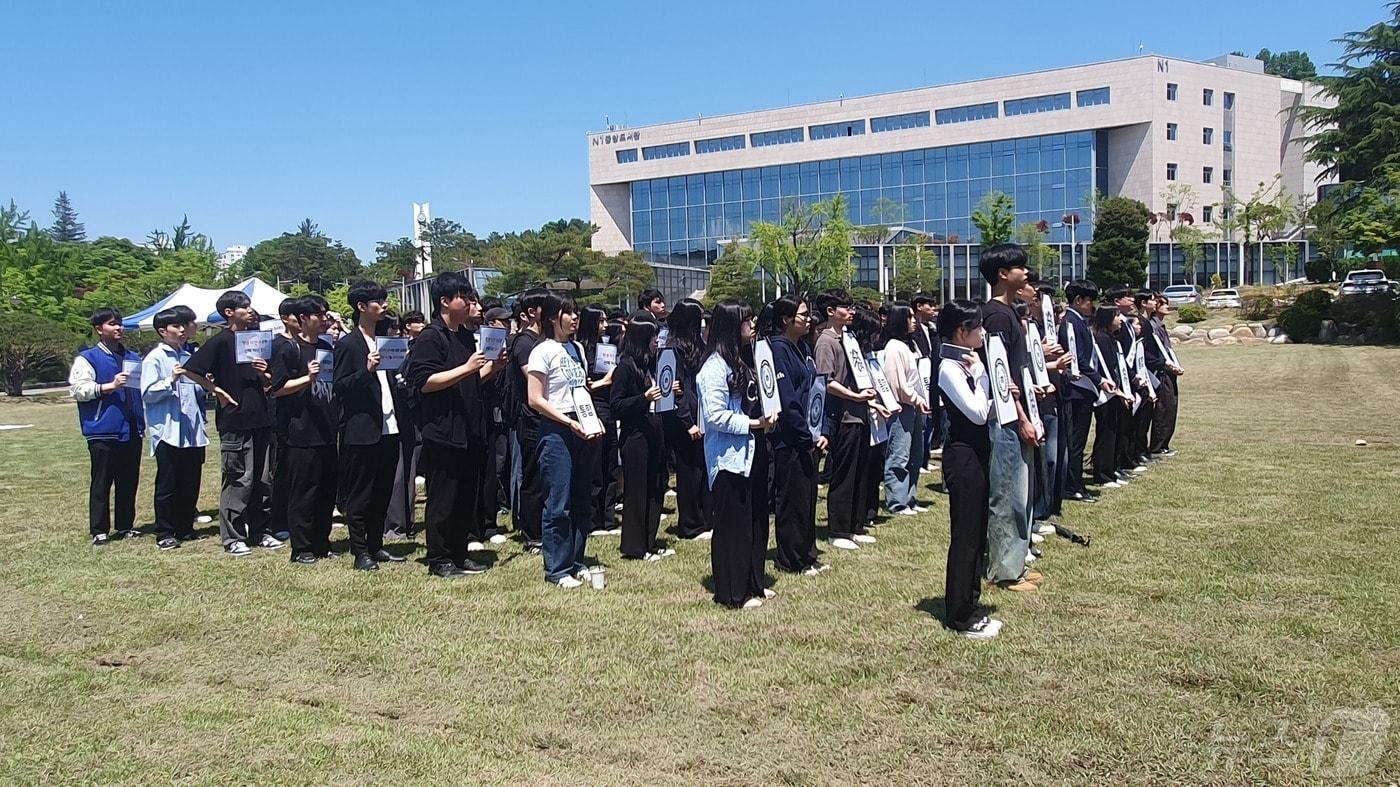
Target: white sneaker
937	453
705	536
1030	558
660	553
270	542
499	538
238	549
770	593
861	538
1045	529
811	571
906	512
1111	484
844	543
1139	469
984	629
203	519
753	603
617	506
929	468
420	480
1037	538
583	575
569	583
651	557
920	509
475	546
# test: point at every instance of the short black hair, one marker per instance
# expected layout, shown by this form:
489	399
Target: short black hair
1081	288
923	297
449	285
648	295
284	309
831	299
186	314
957	314
103	315
233	299
364	292
305	306
1118	292
411	317
1001	256
166	318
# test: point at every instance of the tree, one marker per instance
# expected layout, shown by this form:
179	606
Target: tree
560	255
1367	220
809	250
1293	64
1118	254
394	260
12	222
66	227
1361	134
30	344
43	277
1192	240
1044	260
306	256
995	218
916	270
733	277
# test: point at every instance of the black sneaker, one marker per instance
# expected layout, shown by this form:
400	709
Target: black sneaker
123	535
447	571
100	540
470	566
304	559
190	537
167	543
365	563
384	556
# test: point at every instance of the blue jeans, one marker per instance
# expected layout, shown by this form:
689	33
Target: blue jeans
1008	504
1050	488
905	458
568	485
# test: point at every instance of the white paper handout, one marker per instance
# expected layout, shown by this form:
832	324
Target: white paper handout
392	352
999	373
604	358
767	378
856	360
816	406
133	374
251	345
665	376
493	340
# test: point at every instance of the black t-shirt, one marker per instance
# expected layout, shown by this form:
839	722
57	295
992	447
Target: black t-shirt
518	401
308	417
453	416
1000	320
241	380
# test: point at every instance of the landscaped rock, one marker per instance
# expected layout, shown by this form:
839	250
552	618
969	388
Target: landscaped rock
1260	332
1253	340
1196	340
1217	333
1328	331
1224	341
1182	332
1242	332
1274	331
1280	338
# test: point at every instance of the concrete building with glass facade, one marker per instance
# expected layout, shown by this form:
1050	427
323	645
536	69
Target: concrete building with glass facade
1152	128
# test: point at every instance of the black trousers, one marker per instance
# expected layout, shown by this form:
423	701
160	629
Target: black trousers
454	485
1108	427
795	507
278	521
848	493
488	502
178	471
1080	412
605	475
965	475
1164	417
115	463
312	481
740	540
529	509
644	467
692	480
1142	422
367	480
873	480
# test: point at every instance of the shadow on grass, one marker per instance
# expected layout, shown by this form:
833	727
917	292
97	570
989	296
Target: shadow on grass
937	608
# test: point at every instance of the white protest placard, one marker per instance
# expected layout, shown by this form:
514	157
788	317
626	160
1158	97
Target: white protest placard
1032	406
1140	364
767	378
1102	367
1037	353
392	352
132	369
327	360
604	358
816	406
1047	315
665	376
926	373
882	383
251	345
1072	347
1166	348
662	336
856	360
585	410
999	372
493	340
879	429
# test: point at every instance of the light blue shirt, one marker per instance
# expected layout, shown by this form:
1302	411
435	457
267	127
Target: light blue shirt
174	409
729	443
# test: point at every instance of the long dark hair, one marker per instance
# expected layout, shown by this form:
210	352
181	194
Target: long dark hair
588	320
636	349
783	310
726	341
865	326
553	306
1103	320
685	339
897	325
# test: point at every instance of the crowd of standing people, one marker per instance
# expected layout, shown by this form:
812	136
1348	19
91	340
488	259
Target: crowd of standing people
556	417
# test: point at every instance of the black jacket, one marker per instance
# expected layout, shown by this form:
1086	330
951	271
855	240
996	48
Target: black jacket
454	416
359	392
1084	350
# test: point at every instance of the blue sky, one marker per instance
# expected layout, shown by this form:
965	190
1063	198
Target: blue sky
250	116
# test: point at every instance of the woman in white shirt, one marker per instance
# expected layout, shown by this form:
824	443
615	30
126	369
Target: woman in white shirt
966	458
905	456
568	441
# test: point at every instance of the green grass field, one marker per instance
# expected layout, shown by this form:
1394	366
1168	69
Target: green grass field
1237	620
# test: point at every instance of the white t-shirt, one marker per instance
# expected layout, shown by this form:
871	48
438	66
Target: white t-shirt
561	373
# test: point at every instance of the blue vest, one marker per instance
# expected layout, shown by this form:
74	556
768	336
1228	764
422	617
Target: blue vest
113	416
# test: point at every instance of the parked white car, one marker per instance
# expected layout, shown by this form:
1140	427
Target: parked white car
1365	282
1223	299
1182	294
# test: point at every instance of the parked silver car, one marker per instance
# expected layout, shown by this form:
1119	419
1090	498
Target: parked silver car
1182	294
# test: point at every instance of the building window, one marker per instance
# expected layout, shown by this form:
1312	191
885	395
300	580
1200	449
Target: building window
786	136
846	128
1206	213
1171	132
1207	136
986	111
1171	171
1229	140
1091	98
717	144
1226	178
899	122
1224	212
1171	211
1207	174
666	151
1171	91
1229	101
1207	97
1034	104
627	156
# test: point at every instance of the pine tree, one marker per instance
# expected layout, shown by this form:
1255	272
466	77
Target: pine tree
66	227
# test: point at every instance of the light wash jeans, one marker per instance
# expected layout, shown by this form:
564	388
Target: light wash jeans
1008	504
904	459
568	484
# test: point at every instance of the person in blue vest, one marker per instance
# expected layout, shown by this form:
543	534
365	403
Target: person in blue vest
104	381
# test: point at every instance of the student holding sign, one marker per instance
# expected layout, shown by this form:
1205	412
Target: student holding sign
368	428
680	422
1162	361
794	448
175	414
862	341
1086	382
1111	415
848	408
735	460
568	445
906	455
112	422
634	395
306	411
592	333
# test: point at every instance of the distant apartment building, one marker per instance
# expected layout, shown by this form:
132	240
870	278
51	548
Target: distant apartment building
231	256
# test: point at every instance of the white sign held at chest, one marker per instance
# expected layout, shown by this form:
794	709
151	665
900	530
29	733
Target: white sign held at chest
132	369
999	373
392	352
604	358
767	378
882	384
665	376
493	340
1037	352
816	406
856	360
251	345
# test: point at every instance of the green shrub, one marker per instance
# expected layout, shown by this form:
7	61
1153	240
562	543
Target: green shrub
1372	315
1191	313
1257	308
1302	320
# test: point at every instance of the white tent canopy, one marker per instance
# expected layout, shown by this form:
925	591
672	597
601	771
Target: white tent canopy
264	296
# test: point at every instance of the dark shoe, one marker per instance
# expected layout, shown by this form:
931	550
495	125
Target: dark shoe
384	556
470	566
331	555
123	535
167	543
396	535
283	535
190	537
304	558
365	563
100	540
447	571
